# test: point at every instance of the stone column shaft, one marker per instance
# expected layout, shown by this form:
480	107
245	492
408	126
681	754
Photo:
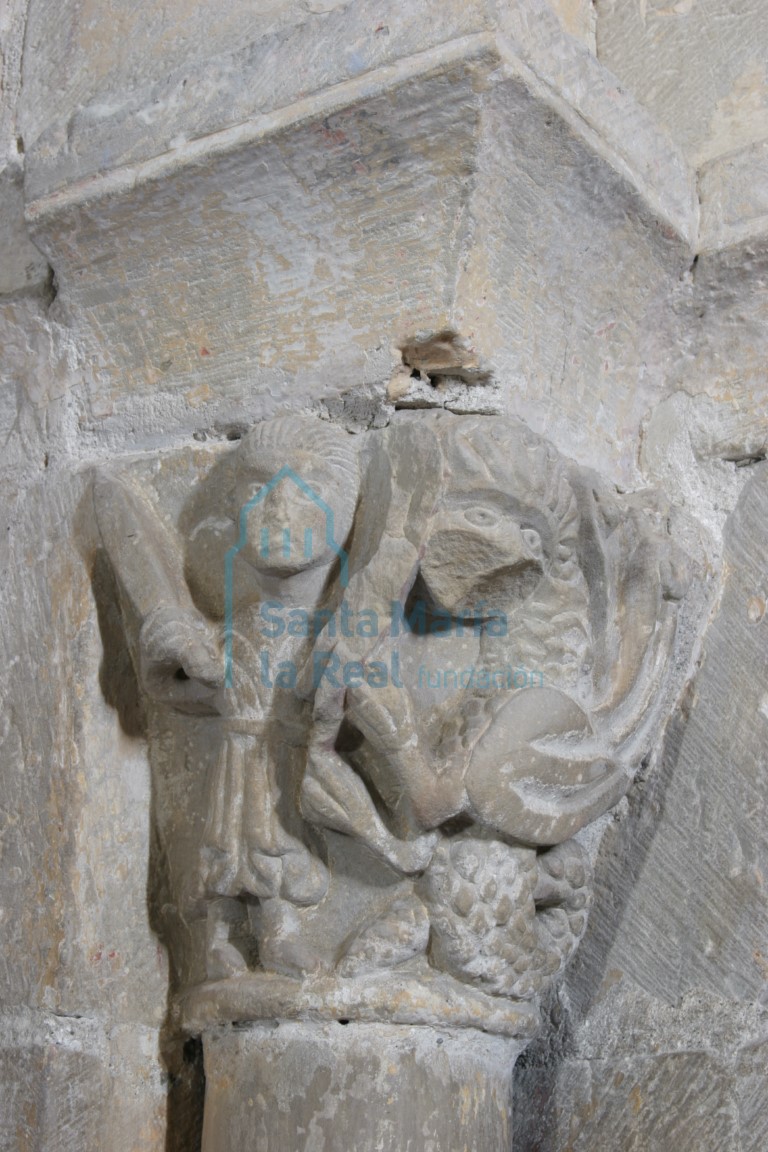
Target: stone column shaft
300	1086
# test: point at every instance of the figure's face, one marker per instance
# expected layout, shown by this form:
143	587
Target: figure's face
480	550
289	529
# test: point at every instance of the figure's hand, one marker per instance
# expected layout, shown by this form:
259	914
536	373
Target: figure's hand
333	796
179	662
383	716
405	773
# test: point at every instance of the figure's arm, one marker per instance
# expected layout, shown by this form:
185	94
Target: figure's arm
178	662
333	796
424	785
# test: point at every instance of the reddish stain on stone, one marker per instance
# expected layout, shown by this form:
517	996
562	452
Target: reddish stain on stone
332	137
204	352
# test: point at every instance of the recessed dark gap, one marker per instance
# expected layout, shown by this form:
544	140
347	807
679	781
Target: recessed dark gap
442	355
50	288
456	826
746	461
180	674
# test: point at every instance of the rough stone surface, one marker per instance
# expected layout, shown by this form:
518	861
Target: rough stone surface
234	211
68	1082
733	191
657	49
677	942
336	1088
690	909
22	266
383	196
656	1103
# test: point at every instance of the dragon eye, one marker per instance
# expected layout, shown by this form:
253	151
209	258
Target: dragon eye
481	517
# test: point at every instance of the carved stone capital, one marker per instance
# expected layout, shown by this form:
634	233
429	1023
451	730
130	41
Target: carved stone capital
416	665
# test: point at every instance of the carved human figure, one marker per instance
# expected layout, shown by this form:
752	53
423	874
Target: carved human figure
200	646
283	553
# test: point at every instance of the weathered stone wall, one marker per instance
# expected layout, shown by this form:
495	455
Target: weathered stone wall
245	209
699	65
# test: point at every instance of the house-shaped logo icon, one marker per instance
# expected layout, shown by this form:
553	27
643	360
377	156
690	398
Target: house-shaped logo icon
284	475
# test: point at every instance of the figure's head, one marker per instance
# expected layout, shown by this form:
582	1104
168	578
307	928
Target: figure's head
294	525
494	533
